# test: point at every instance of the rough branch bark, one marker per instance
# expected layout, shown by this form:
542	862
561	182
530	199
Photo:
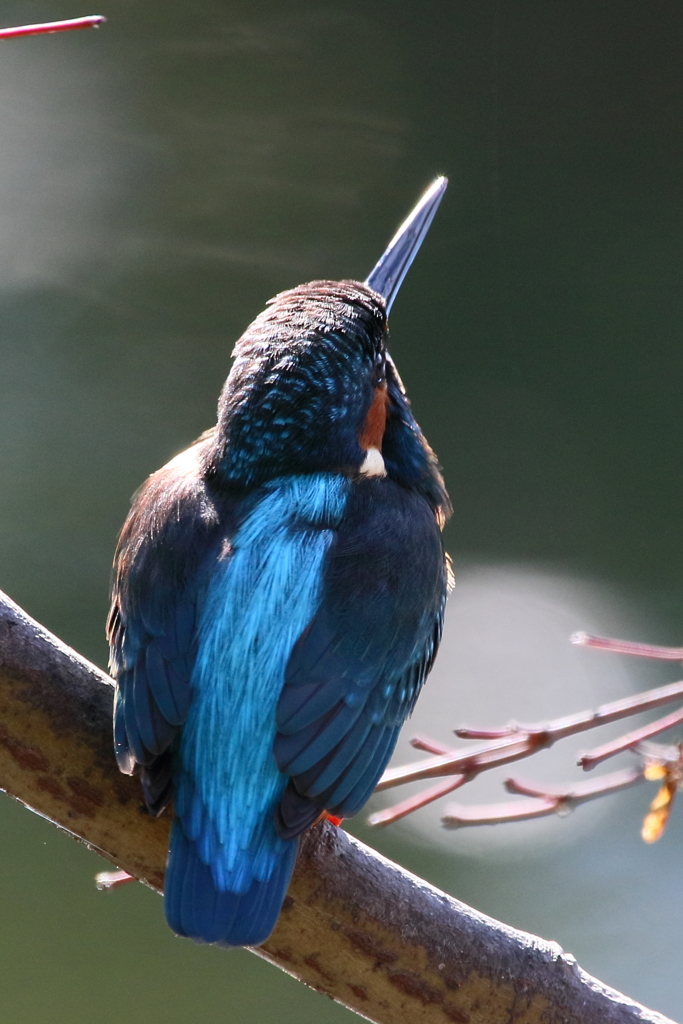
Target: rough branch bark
354	926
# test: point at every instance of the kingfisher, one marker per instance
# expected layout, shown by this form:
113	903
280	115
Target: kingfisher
278	599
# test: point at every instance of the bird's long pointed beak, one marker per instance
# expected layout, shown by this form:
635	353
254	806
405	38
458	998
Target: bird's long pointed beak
387	275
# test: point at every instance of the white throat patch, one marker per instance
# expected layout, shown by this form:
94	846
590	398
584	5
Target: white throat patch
373	463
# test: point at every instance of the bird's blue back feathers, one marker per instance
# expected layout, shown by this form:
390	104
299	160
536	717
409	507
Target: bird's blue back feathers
260	598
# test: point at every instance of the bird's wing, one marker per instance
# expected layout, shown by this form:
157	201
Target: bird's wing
172	530
354	675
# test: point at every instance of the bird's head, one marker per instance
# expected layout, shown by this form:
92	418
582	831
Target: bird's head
313	388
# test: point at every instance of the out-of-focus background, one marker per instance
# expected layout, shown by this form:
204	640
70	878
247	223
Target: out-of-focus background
159	180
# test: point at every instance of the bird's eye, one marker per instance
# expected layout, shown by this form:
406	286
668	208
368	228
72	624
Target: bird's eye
379	375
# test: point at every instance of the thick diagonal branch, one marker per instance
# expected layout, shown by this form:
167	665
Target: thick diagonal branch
362	930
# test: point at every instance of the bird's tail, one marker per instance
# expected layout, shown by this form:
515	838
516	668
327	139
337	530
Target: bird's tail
196	909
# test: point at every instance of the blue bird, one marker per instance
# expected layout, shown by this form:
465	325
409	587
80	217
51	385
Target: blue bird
278	599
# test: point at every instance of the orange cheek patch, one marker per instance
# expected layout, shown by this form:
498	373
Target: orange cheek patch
375	421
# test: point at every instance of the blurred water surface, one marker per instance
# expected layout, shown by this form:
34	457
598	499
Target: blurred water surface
159	180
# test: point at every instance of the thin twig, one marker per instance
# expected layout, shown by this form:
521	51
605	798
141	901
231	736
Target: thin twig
113	879
391	814
430	746
46	27
631	647
519	741
544	800
630	740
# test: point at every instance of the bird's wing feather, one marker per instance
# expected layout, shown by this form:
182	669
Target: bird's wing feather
172	530
355	673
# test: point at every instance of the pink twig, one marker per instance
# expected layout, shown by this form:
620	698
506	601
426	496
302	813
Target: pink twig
578	792
459	815
464	733
391	814
430	746
630	740
91	21
519	741
113	879
545	800
631	647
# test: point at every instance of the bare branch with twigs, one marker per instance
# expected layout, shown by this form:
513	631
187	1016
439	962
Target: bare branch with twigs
354	926
515	741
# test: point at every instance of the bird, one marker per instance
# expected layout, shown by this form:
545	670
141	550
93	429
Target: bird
278	597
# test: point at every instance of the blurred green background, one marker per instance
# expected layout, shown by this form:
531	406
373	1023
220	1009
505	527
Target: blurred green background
159	180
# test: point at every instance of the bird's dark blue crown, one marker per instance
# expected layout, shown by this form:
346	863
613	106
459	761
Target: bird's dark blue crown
303	380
